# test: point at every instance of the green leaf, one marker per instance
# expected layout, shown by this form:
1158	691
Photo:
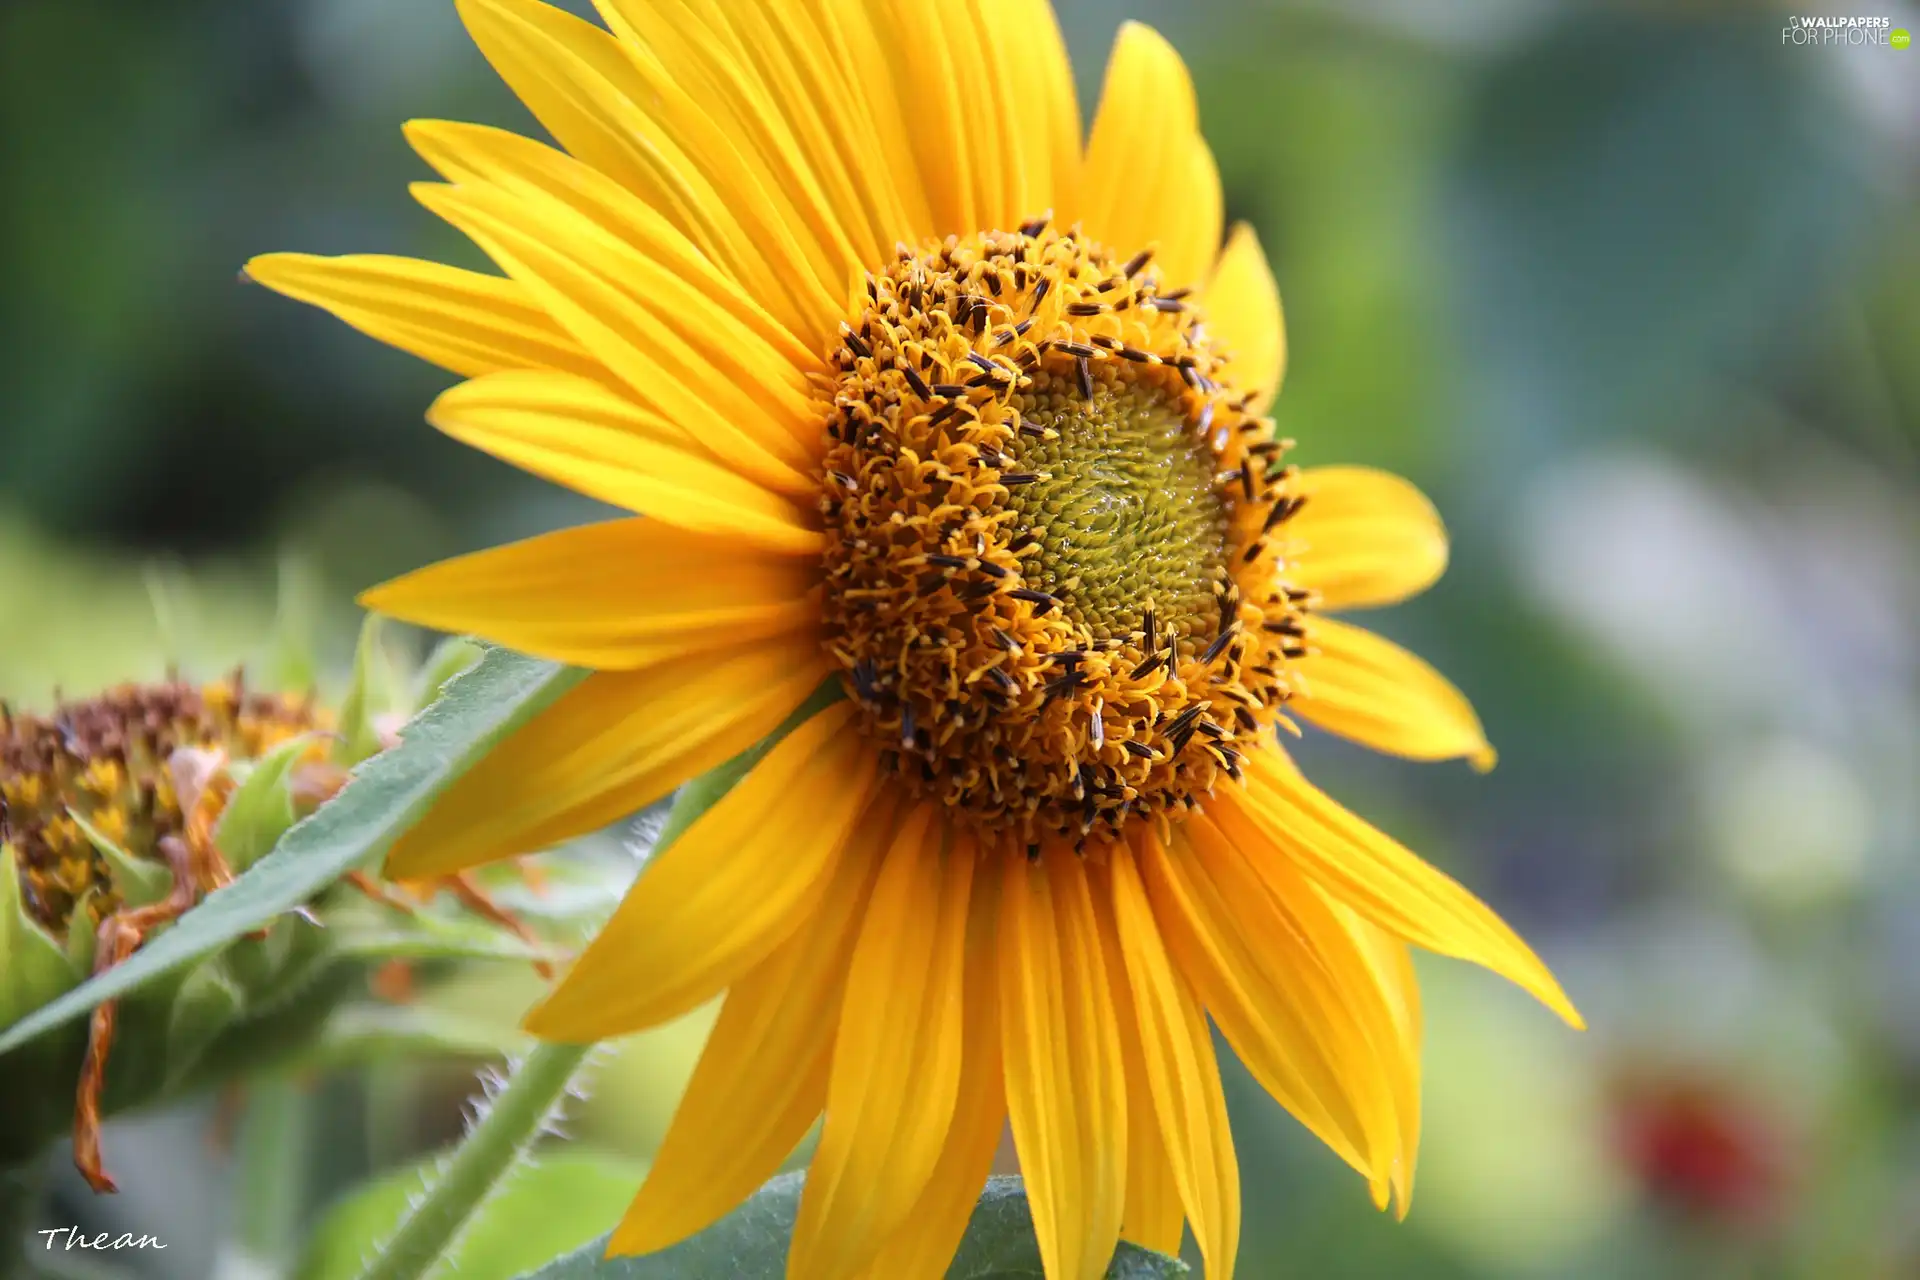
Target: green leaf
751	1244
552	1204
384	798
705	791
1000	1244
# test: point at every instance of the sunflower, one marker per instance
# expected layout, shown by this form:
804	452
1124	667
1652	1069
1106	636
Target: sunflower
927	403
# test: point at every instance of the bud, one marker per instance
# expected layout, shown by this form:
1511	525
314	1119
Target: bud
118	814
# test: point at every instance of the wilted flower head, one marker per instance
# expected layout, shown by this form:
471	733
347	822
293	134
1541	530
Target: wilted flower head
92	794
118	814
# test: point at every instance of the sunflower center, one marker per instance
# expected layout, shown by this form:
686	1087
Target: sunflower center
1050	574
1125	505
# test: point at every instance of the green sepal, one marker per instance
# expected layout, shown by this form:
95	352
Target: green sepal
432	937
362	1034
80	938
206	1004
33	967
291	662
369	695
260	810
139	882
279	968
449	658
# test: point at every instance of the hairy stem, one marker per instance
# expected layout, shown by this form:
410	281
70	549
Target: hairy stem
499	1139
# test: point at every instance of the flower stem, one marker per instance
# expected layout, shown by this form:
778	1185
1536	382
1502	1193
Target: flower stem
513	1121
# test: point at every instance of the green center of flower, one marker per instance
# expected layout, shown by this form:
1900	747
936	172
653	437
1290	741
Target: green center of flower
1125	505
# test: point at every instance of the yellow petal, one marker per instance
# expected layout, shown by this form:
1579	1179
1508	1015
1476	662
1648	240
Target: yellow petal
1149	177
738	1120
1035	104
993	125
923	1246
958	163
1065	1092
613	596
680	353
459	320
1364	980
805	60
896	1060
711	89
1369	689
1364	538
478	155
1190	241
723	896
1391	962
776	72
1243	311
854	33
1386	883
607	748
1154	1216
595	441
628	117
1253	959
1015	140
1176	1055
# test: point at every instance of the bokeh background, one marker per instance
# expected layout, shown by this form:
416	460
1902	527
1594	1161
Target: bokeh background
1633	291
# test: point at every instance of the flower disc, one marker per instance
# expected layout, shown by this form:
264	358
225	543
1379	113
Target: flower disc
1049	579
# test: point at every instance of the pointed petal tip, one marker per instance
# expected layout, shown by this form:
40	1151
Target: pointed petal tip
1402	1201
1538	981
420	864
1135	29
562	1026
377	598
276	270
627	1240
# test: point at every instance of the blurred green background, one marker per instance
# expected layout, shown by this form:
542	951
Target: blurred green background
1633	291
